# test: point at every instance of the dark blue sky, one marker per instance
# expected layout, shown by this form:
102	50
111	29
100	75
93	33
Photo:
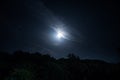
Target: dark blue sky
93	25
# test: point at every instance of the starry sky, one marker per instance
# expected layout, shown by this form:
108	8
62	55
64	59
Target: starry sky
92	27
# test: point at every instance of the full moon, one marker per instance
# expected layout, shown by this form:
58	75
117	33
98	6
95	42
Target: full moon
60	35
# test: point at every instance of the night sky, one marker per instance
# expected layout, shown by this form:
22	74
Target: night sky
92	27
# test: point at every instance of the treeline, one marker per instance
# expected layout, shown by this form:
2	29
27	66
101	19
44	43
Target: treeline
35	66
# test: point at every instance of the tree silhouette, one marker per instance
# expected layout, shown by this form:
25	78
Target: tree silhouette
35	66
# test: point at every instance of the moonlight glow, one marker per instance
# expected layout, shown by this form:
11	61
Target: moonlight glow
60	35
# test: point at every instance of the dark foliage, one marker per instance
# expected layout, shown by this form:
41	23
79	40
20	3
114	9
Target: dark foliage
35	66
